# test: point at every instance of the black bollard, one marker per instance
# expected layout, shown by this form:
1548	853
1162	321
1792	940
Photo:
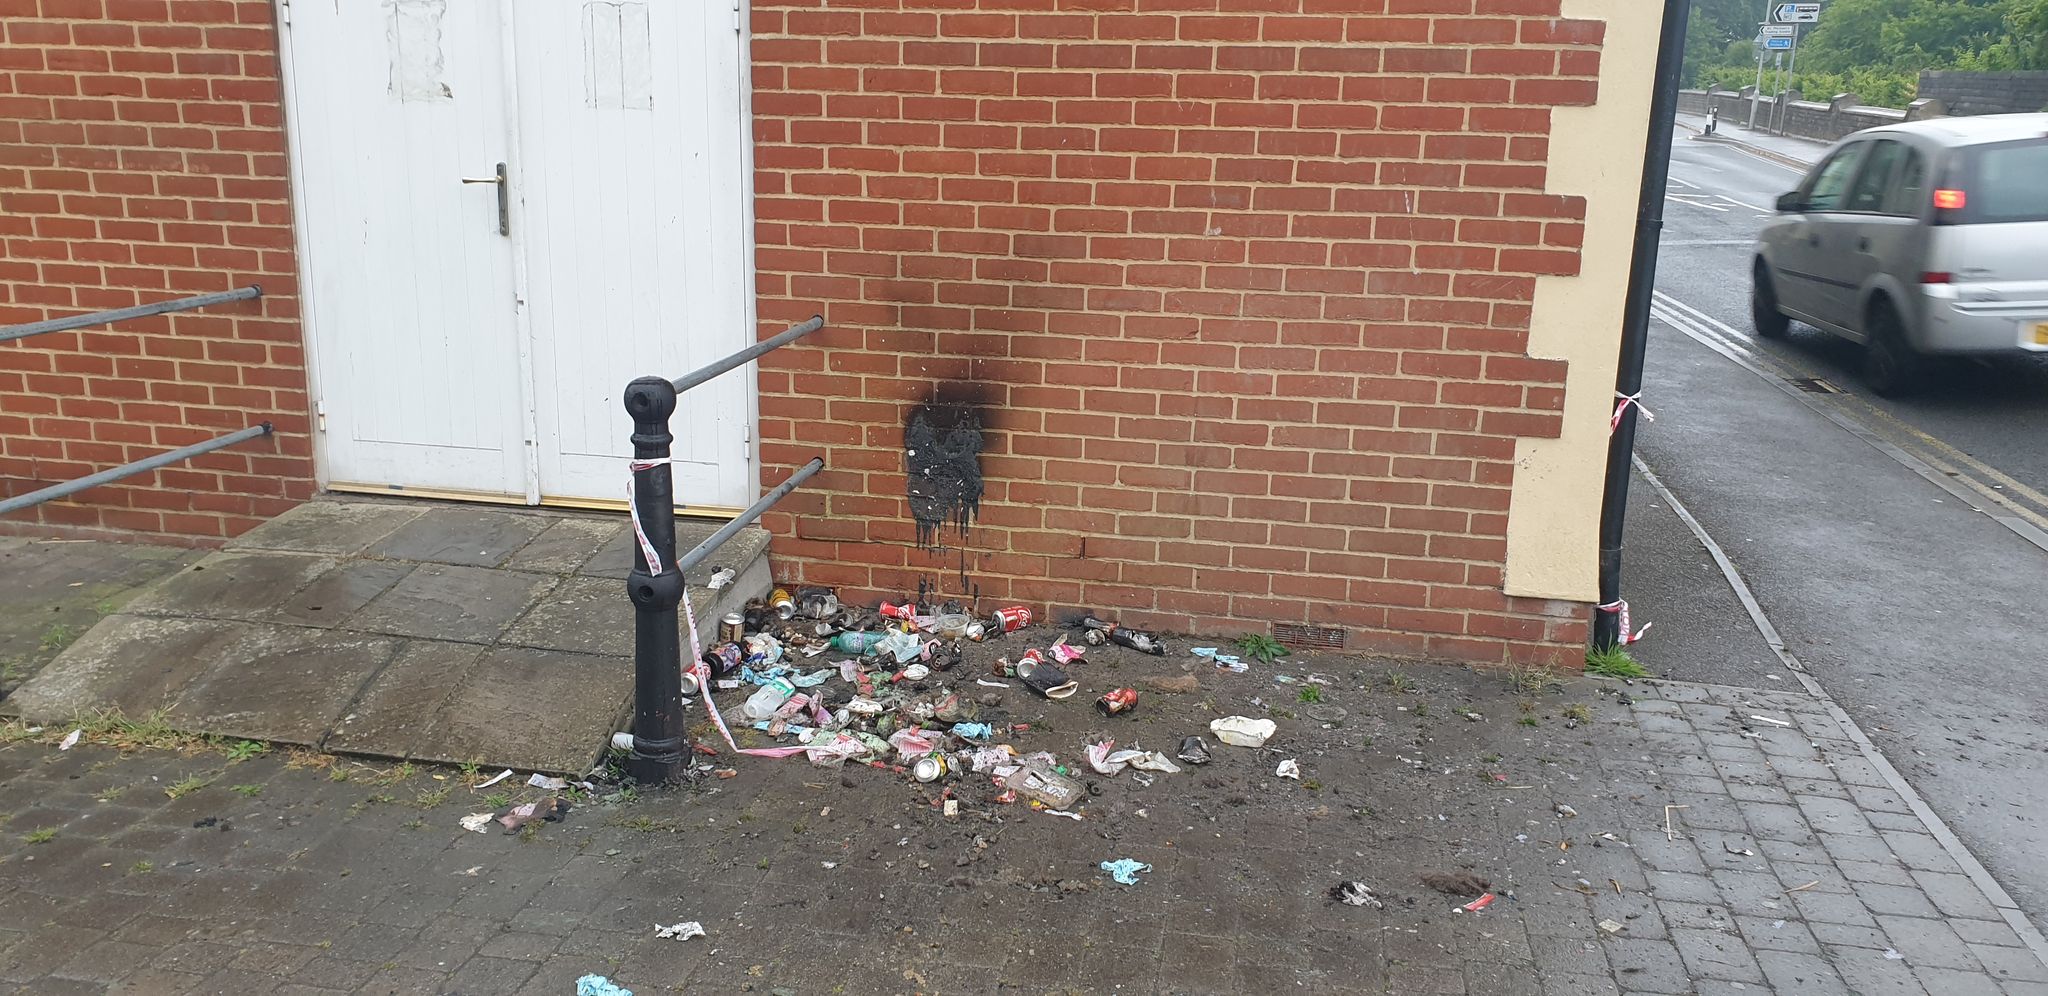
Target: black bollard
658	752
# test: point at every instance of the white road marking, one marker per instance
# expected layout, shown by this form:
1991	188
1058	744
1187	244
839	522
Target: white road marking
1683	183
1688	199
1731	200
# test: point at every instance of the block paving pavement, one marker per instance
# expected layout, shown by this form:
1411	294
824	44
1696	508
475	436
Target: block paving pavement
1793	867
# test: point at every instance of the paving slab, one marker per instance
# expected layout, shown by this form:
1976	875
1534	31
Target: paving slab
396	713
567	545
543	710
232	584
444	602
128	663
458	534
329	600
52	591
582	614
337	527
283	684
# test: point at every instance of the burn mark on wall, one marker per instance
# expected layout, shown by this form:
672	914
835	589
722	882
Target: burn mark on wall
942	466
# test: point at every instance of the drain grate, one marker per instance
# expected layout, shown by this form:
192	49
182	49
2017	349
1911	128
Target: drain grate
1814	385
1308	637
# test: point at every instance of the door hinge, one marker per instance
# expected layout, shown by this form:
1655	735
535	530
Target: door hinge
747	445
284	11
320	416
735	16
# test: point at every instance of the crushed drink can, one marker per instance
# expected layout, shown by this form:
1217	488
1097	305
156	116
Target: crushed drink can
1010	620
1120	700
905	612
1064	653
783	604
930	768
732	628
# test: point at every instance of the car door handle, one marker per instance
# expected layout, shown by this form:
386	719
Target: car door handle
1813	240
1863	244
504	197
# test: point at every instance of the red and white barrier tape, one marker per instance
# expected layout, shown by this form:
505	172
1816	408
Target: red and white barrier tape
654	565
1621	605
695	665
1622	401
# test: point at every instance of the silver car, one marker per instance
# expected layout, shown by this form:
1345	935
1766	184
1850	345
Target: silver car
1923	238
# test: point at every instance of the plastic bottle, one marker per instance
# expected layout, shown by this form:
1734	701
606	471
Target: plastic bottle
768	698
855	642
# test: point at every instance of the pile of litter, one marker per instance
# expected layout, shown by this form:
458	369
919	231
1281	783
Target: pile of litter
889	690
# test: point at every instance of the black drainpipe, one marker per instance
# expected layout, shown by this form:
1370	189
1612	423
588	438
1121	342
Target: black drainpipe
1635	328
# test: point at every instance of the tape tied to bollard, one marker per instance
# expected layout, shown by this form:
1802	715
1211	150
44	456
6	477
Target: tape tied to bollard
1621	605
1621	406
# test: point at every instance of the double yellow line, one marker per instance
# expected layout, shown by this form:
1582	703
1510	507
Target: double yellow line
1981	480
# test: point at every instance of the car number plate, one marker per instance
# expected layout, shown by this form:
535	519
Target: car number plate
2041	333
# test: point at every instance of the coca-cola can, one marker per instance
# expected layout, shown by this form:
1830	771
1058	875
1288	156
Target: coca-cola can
1010	620
904	611
1118	701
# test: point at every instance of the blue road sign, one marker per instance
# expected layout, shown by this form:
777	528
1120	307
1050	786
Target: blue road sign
1778	44
1796	13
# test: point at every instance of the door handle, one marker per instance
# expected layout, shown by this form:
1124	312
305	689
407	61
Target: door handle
504	197
1813	239
1863	244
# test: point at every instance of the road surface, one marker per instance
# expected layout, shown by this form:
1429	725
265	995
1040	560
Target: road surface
1919	608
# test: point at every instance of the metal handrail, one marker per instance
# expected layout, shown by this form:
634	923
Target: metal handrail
690	560
783	338
11	332
108	476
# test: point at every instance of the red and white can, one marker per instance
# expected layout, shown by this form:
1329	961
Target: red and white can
905	611
1010	620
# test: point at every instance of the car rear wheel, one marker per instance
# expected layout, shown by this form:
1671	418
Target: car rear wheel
1763	306
1890	365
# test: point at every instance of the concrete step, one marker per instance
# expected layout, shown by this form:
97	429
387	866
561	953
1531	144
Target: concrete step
746	552
403	629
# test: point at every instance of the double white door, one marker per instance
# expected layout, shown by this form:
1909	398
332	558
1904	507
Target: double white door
508	211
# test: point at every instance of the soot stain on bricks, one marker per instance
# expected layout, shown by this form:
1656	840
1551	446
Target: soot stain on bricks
942	442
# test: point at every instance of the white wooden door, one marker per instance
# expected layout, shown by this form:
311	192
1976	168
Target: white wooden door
633	147
451	356
408	283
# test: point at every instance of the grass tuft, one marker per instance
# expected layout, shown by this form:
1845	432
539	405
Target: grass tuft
1613	662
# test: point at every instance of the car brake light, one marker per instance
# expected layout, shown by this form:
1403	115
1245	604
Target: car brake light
1950	200
1932	277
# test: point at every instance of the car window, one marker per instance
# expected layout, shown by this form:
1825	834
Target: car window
1824	193
1867	193
1909	186
2004	183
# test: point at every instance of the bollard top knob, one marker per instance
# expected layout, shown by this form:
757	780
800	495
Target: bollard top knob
650	399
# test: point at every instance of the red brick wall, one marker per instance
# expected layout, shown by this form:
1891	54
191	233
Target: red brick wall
142	157
1241	288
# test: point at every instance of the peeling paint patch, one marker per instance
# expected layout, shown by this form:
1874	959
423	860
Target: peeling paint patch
413	35
618	56
942	467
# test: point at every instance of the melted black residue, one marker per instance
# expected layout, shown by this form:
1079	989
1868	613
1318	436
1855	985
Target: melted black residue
942	461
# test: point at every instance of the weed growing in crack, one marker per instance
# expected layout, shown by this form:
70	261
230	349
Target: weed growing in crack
1613	662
